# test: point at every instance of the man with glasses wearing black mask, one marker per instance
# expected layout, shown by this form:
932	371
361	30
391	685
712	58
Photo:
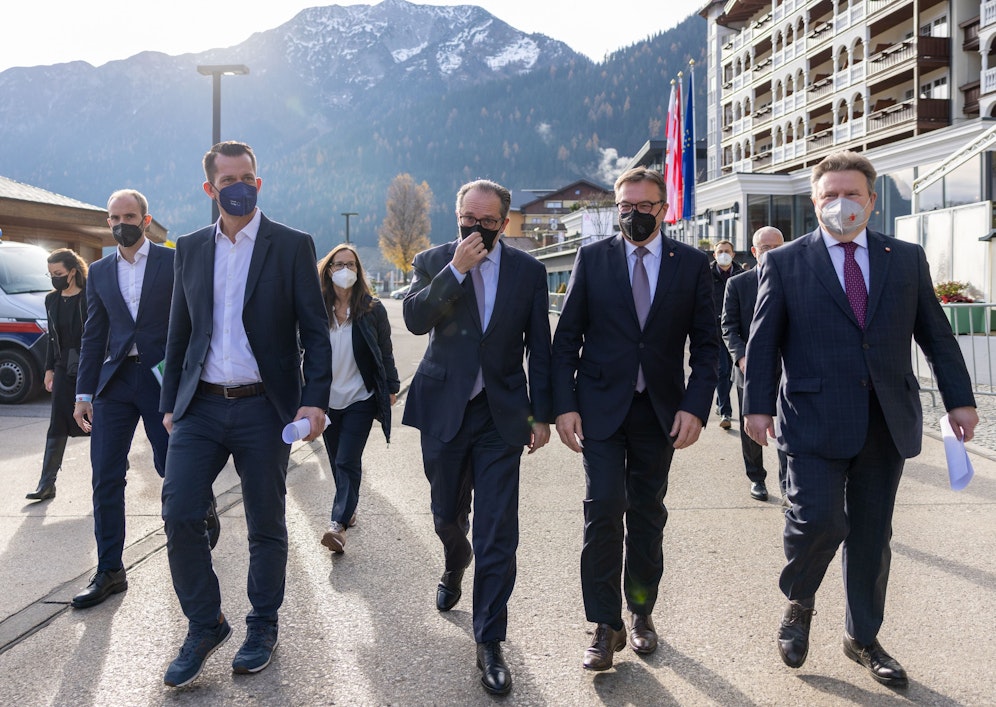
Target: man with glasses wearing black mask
484	307
621	399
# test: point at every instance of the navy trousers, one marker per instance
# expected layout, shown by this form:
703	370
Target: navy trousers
754	453
478	460
725	382
626	480
212	430
345	438
849	501
132	393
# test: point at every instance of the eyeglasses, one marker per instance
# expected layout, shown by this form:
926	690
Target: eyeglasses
336	267
488	223
644	207
764	248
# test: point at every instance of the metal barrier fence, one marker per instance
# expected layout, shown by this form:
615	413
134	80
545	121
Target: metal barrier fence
973	325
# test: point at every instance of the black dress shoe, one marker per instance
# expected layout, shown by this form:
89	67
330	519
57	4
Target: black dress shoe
882	666
642	636
213	522
793	634
606	642
102	585
41	493
449	591
495	675
759	491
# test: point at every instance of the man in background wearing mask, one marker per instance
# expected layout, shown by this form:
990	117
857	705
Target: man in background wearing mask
484	306
839	309
621	399
723	268
738	313
245	288
128	298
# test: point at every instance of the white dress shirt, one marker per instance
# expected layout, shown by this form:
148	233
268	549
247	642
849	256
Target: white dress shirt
229	359
131	277
347	381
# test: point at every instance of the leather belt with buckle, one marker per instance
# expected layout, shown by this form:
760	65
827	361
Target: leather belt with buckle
231	392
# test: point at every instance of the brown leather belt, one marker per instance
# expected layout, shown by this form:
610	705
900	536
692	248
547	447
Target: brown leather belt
231	392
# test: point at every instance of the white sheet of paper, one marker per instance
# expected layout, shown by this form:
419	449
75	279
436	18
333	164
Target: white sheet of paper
960	470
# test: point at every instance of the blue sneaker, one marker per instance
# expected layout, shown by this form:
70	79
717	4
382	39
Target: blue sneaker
195	650
257	650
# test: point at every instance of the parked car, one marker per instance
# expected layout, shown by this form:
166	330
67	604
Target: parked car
24	282
400	292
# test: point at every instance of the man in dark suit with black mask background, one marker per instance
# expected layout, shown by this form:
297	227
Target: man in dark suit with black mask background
484	306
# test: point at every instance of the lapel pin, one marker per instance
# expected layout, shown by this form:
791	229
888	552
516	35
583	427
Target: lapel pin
888	250
671	254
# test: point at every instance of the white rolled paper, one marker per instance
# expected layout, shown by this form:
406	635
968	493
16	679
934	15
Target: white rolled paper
299	429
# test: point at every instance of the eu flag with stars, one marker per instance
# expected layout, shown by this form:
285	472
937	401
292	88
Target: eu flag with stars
688	153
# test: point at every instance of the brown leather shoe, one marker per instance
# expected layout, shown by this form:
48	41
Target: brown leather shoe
793	634
642	636
606	642
882	666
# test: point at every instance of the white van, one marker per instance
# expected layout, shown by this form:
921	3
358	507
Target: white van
24	282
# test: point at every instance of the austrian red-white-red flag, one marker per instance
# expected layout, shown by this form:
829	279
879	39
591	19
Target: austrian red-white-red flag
672	164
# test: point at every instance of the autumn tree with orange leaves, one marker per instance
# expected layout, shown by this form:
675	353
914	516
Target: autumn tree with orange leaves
405	231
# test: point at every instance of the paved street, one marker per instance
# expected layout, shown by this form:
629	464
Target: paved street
362	628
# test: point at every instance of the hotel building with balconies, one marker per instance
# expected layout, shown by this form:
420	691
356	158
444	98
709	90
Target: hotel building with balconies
911	85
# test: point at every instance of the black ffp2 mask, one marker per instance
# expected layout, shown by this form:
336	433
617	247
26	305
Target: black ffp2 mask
487	235
636	226
127	234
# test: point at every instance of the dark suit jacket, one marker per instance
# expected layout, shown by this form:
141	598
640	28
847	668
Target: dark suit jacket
599	322
829	362
738	313
110	331
445	309
282	300
57	348
374	355
720	282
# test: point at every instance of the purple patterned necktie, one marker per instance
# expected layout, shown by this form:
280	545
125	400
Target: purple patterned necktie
478	279
641	298
854	283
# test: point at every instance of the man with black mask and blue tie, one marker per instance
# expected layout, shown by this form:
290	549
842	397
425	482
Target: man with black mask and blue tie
484	306
621	399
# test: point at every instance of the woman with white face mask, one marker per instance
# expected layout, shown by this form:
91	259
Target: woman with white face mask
364	380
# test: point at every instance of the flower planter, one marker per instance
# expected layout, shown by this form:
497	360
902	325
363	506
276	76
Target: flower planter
967	320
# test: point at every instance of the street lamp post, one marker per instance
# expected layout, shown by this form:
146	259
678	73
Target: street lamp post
347	214
216	71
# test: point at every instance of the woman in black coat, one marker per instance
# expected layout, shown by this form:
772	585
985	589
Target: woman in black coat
364	380
66	310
